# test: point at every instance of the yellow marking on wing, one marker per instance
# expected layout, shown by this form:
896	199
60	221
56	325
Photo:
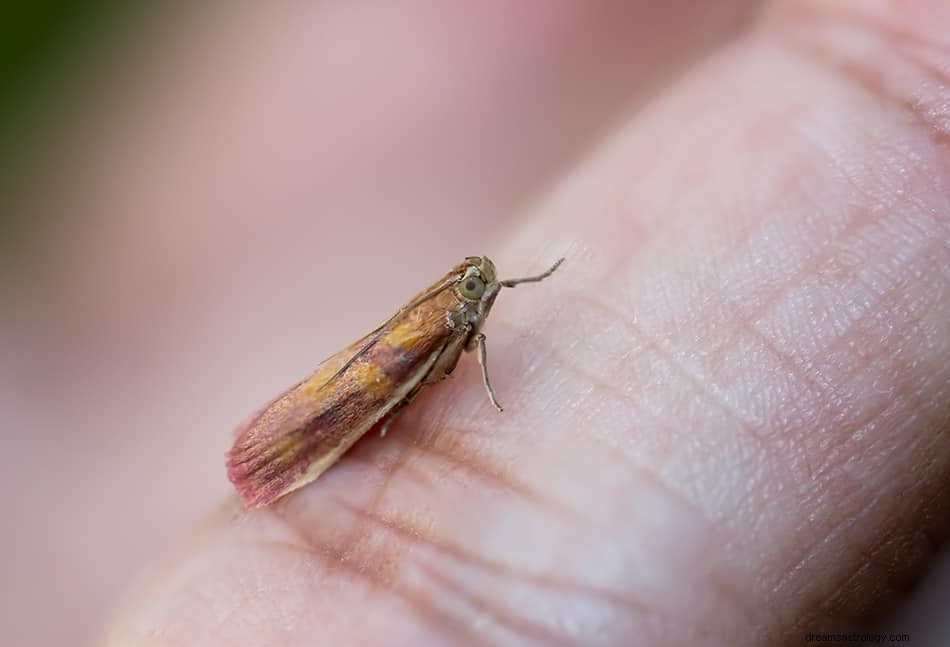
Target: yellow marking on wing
406	333
285	449
319	465
371	378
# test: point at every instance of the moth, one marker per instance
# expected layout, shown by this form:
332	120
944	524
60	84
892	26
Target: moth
304	431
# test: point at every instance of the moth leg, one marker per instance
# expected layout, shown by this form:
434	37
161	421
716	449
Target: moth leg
510	283
483	362
396	410
392	415
444	365
402	404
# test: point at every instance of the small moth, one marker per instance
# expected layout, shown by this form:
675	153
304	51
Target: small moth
299	435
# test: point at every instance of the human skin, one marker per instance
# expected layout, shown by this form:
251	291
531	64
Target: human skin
219	205
726	415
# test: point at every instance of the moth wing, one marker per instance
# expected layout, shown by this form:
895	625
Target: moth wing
305	430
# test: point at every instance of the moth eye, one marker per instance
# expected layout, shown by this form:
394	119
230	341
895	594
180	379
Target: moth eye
472	288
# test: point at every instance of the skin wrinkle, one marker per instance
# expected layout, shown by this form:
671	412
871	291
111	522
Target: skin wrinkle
334	557
415	474
775	465
843	592
730	592
892	525
804	373
601	387
791	570
869	508
337	560
456	455
520	626
738	602
650	344
765	304
349	541
402	457
556	352
464	556
868	360
481	469
911	322
695	381
887	536
809	269
670	491
670	360
607	387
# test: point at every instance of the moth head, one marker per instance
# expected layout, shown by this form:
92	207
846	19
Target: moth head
485	267
478	283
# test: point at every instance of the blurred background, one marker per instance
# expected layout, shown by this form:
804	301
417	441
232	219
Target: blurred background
199	202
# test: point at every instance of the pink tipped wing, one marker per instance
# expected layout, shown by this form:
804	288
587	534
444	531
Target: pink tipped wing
304	431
